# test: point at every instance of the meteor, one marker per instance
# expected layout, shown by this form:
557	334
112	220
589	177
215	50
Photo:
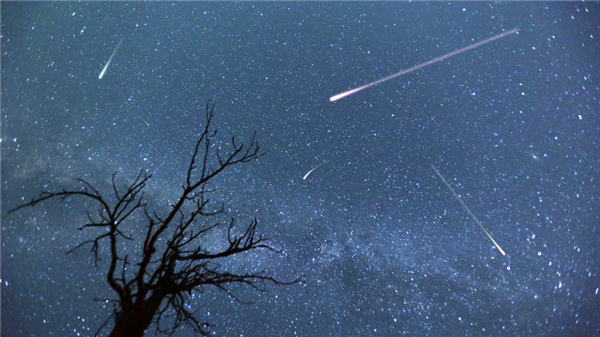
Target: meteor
468	210
143	120
419	66
109	60
316	167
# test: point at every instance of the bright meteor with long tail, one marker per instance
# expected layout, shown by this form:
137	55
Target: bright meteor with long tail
419	66
316	167
109	60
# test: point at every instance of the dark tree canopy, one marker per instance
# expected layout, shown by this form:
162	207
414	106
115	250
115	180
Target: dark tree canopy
154	284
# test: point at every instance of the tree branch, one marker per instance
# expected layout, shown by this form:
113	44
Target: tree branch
183	263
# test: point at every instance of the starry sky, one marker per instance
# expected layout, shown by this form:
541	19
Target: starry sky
383	246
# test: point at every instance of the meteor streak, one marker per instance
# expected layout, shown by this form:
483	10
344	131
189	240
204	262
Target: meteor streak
109	60
419	66
468	210
316	167
143	120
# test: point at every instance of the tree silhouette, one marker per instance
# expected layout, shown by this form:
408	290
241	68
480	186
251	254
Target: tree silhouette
173	260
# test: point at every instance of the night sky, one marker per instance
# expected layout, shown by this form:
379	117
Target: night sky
383	246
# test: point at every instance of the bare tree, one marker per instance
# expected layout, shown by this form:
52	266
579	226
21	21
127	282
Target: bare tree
174	261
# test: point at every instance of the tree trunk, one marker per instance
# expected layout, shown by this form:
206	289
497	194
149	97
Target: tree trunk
136	321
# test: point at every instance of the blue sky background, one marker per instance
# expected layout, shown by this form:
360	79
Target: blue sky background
384	247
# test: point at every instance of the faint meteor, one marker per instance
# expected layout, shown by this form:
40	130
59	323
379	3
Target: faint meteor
419	66
143	120
316	167
109	60
468	210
